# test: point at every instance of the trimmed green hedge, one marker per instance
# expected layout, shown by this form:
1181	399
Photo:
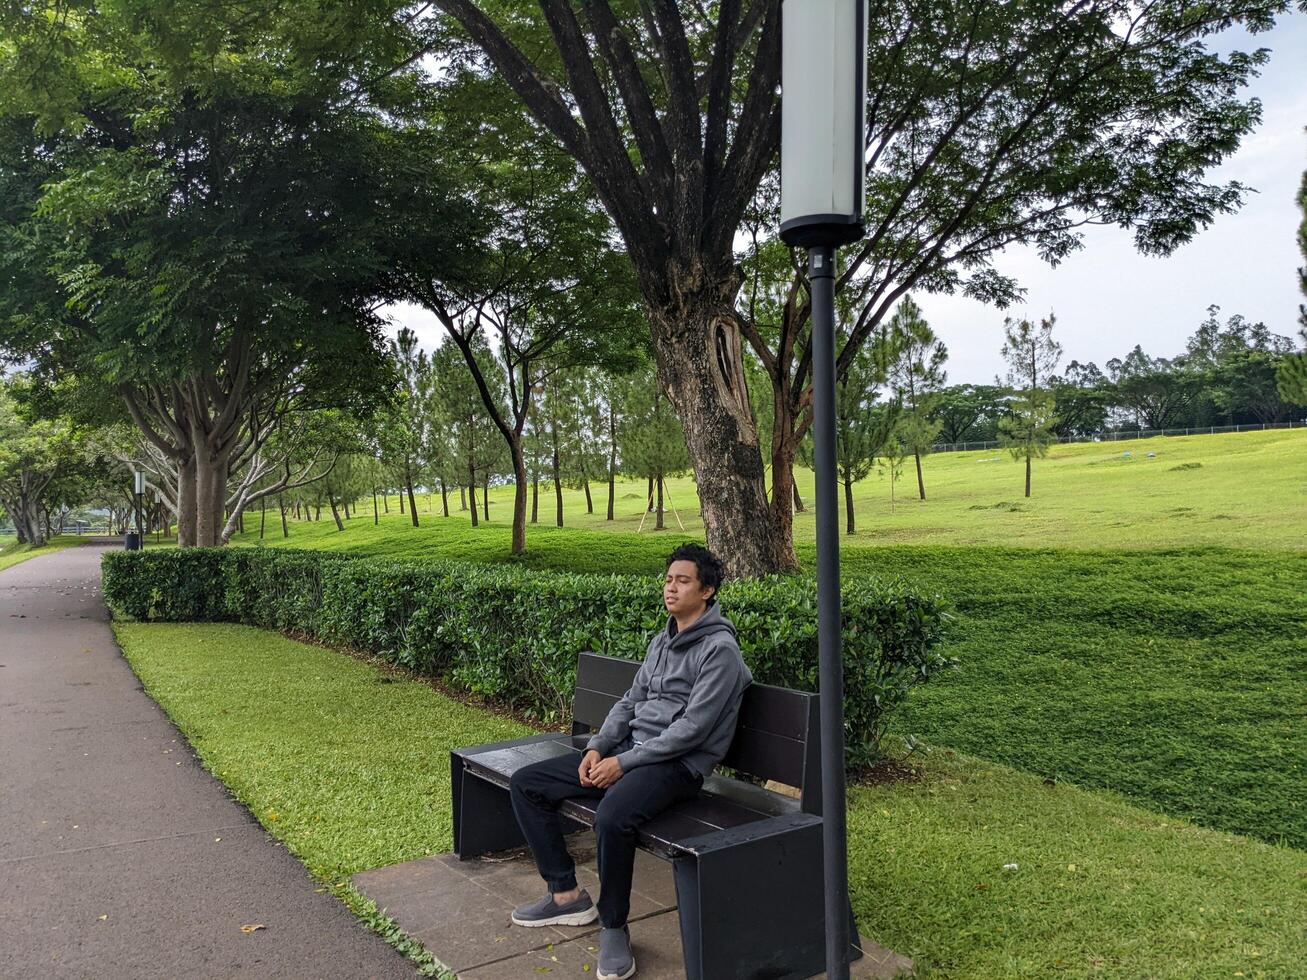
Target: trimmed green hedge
513	635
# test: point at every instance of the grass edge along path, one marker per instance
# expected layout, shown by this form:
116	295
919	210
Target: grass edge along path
15	553
346	764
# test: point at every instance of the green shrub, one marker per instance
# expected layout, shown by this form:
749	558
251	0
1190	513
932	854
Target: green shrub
513	635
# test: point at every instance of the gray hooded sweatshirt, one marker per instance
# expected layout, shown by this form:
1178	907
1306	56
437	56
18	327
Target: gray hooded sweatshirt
684	701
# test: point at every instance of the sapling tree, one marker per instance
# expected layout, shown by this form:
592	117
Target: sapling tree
918	375
1032	356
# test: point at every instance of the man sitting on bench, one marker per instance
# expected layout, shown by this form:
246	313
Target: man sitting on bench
654	749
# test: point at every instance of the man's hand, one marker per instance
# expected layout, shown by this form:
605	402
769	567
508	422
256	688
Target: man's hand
605	772
588	762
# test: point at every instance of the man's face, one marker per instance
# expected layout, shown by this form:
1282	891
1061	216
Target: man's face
683	593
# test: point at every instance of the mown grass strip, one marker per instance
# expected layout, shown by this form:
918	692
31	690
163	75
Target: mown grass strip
348	765
14	552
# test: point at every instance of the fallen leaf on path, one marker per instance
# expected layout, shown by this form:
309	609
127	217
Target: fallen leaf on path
103	917
253	928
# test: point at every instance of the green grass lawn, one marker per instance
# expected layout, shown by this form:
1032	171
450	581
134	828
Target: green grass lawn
348	765
13	552
1243	490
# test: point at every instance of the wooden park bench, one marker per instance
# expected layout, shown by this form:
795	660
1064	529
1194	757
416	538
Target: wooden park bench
747	861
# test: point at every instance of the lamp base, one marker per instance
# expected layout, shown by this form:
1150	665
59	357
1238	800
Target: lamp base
812	230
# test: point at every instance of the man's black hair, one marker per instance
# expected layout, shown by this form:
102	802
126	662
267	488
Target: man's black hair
708	564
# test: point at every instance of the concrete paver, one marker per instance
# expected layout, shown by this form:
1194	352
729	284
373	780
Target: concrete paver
459	910
109	863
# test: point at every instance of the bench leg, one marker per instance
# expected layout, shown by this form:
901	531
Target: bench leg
484	821
755	911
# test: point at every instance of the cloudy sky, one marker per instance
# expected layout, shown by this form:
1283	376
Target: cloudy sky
1107	297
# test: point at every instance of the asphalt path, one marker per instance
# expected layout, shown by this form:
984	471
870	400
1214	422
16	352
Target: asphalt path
119	855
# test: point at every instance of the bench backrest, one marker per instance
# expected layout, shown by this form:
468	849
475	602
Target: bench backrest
777	736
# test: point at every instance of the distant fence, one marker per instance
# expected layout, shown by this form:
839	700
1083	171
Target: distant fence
1206	430
70	528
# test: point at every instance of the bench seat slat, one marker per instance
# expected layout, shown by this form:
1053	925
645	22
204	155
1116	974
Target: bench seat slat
723	804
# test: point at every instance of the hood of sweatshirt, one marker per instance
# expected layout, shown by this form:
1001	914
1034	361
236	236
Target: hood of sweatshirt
710	623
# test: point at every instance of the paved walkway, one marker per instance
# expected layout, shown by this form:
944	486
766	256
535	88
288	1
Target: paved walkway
110	859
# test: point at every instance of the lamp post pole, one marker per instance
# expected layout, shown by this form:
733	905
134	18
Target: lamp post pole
823	190
821	274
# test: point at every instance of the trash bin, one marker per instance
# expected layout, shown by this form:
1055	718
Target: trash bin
133	541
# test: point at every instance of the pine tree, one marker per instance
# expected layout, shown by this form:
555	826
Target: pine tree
1032	355
919	376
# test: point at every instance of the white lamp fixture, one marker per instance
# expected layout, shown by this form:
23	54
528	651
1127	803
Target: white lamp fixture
140	481
823	121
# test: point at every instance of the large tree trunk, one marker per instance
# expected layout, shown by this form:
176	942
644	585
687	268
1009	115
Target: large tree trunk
401	501
589	503
701	367
921	483
335	514
186	503
210	497
444	498
785	500
462	497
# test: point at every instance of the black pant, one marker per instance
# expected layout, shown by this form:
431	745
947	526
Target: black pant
640	794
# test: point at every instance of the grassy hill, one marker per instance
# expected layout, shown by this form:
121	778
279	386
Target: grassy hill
1243	490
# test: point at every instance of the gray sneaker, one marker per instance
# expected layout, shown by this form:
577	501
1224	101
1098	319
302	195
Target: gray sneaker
547	912
616	961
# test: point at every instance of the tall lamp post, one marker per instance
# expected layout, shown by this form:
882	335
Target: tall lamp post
823	126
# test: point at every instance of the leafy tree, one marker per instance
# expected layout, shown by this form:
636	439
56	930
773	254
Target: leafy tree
539	278
1032	355
476	442
968	412
1156	392
1083	398
1238	362
33	454
918	375
184	261
404	430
